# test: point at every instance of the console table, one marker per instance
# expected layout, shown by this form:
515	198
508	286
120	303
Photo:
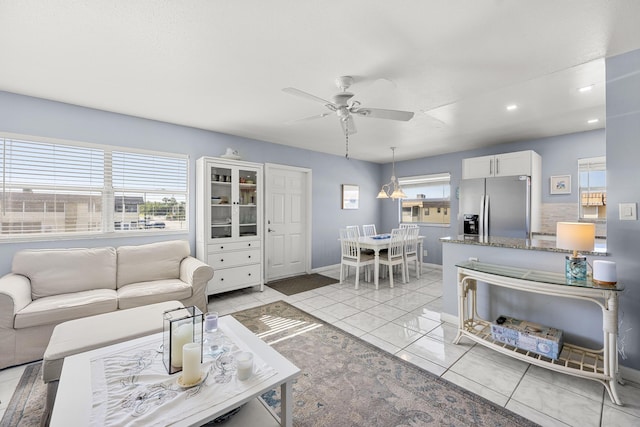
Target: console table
599	365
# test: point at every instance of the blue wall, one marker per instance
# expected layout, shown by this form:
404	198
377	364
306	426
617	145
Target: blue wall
623	160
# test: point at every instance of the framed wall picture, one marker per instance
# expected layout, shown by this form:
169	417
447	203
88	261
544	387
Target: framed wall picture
560	184
350	196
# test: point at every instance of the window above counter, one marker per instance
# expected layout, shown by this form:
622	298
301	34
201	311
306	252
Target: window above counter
428	199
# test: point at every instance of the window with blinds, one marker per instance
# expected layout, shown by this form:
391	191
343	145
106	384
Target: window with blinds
67	188
593	188
428	199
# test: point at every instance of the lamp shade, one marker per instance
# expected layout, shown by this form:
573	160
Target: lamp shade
575	236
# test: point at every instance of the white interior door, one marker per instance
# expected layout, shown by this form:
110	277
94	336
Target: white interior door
287	237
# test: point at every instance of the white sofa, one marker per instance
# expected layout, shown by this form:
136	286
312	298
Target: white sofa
50	286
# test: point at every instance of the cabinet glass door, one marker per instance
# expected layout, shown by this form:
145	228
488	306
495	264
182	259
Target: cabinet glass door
221	215
248	200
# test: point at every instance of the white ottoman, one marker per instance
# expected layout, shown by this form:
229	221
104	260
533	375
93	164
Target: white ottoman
88	333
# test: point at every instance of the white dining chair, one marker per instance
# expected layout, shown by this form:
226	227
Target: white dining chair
411	250
394	255
352	256
354	228
408	225
369	230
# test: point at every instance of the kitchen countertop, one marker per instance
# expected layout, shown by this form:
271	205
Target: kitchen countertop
536	244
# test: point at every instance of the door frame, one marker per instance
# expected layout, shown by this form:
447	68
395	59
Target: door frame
268	167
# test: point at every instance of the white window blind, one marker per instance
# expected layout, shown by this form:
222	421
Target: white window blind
63	188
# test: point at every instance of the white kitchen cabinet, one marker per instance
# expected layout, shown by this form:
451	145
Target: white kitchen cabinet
229	222
507	164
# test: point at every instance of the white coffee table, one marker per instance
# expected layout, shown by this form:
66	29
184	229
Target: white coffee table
74	398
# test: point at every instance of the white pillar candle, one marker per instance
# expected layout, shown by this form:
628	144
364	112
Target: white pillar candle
182	335
244	360
191	370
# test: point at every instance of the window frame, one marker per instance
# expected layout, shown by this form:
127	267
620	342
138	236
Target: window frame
584	166
107	215
409	181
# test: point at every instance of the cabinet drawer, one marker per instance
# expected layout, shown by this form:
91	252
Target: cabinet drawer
237	277
233	258
233	246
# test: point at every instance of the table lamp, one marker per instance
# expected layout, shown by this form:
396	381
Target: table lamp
575	236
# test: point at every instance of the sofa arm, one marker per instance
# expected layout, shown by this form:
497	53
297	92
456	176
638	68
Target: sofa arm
197	274
15	294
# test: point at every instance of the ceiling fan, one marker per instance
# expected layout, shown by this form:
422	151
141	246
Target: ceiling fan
346	107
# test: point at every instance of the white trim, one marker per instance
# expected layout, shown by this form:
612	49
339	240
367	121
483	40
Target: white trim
449	318
325	268
629	374
423	179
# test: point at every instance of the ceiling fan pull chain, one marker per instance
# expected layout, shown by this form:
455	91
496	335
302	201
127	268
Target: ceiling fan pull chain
346	126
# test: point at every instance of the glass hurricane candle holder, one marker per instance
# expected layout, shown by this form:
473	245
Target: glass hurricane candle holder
180	326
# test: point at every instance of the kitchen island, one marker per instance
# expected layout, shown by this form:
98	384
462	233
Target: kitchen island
537	254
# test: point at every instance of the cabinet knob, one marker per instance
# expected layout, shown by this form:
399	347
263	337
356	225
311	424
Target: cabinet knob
249	244
221	247
221	259
249	256
249	274
222	279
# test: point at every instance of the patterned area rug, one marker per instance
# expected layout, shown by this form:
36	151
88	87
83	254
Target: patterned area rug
306	282
346	381
27	403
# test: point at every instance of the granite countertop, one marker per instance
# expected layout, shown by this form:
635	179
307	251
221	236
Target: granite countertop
530	244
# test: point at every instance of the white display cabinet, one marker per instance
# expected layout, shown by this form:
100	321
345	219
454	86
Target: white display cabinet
229	222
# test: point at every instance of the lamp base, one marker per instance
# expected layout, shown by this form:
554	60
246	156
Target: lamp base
575	268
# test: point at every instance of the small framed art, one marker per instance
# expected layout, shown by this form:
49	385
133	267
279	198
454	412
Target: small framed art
350	196
560	184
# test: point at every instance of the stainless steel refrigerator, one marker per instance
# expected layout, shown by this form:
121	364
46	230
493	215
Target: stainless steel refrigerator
496	206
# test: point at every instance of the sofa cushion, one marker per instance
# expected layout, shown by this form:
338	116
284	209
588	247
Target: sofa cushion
155	261
137	294
60	308
64	271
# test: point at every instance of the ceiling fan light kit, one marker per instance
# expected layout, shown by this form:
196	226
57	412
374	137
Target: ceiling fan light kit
346	107
392	189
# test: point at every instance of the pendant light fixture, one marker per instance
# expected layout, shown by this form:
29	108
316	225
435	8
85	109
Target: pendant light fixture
392	189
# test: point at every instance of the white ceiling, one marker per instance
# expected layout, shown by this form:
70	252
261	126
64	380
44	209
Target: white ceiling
221	65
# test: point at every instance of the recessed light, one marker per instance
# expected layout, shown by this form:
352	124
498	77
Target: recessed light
512	107
585	89
592	121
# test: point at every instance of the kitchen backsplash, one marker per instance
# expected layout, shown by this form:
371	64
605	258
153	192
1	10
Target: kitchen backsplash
567	212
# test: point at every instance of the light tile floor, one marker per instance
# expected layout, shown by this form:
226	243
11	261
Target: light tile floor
405	321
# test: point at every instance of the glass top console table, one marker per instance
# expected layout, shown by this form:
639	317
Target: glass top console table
599	365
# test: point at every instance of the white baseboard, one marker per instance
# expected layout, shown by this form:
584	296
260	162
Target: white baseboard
325	268
629	374
449	318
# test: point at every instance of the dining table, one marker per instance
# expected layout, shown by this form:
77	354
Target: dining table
380	242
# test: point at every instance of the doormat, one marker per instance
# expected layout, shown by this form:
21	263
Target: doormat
306	282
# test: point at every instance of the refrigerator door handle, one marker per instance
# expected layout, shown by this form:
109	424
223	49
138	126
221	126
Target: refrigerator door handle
483	217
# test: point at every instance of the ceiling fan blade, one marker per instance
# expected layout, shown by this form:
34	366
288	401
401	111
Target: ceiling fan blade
379	113
305	95
304	119
348	126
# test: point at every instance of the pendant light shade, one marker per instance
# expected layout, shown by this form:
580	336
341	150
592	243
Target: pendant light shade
392	189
